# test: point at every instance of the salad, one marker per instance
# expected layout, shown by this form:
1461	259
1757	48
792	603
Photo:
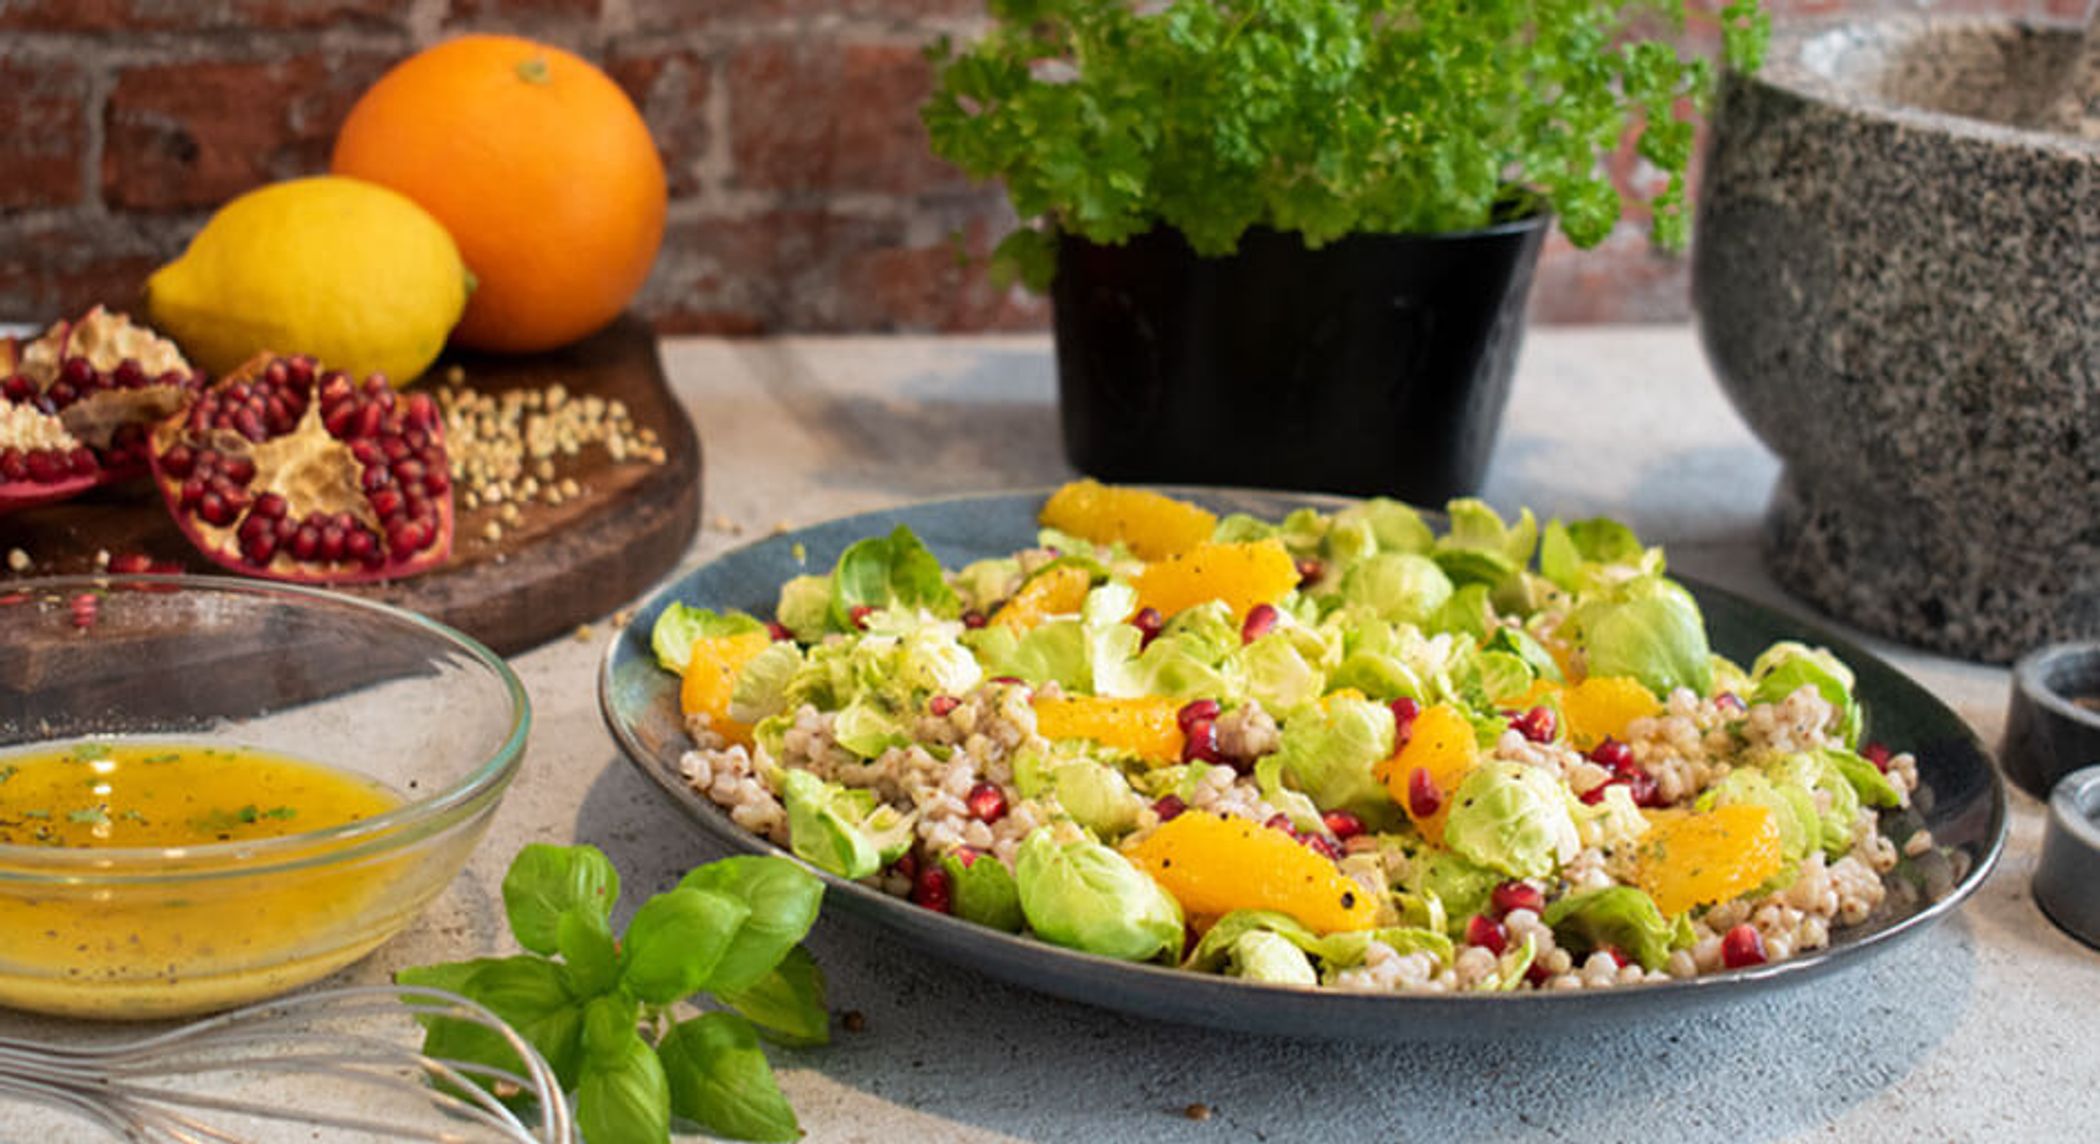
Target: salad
1341	750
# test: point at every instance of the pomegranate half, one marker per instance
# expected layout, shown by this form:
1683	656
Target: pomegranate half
77	402
286	471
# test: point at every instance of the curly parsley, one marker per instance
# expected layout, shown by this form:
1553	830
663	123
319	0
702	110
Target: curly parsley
1105	118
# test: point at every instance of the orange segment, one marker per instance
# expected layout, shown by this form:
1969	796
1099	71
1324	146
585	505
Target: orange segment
1689	859
710	679
1214	865
1145	727
1441	744
1600	708
1153	526
1056	592
1242	575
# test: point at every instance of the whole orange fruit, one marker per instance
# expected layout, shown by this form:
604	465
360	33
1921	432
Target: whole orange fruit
538	164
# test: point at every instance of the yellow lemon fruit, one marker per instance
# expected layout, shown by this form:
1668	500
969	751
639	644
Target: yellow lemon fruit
343	270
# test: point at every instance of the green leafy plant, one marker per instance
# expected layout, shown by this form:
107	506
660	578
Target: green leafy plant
600	1009
1106	118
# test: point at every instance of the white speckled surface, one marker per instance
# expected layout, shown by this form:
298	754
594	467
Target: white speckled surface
1978	1030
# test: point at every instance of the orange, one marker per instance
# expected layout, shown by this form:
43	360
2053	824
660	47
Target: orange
539	166
1214	865
1440	742
1147	726
710	679
1242	575
1691	859
1603	706
1153	525
1056	591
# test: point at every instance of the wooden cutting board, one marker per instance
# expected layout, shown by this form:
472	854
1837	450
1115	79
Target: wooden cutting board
553	568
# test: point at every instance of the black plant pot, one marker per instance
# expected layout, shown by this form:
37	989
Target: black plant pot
1378	364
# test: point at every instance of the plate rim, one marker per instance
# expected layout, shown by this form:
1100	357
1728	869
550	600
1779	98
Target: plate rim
1007	956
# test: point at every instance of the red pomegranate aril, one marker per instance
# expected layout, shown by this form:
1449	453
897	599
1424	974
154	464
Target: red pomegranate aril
1730	701
1423	797
940	705
82	461
332	541
13	465
46	466
214	509
1487	933
1742	946
1169	807
778	631
1260	621
1618	956
1318	844
1279	821
271	505
907	864
375	478
239	470
1511	896
386	502
1612	755
1405	711
1537	974
130	563
1645	790
859	614
973	620
1343	824
987	802
1199	743
1194	710
1149	624
85	607
1876	754
1308	571
408	537
259	546
932	889
359	545
1537	724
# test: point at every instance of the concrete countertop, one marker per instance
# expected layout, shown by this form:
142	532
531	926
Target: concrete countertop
1977	1029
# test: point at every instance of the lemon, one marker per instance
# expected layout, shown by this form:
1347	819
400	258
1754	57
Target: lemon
349	272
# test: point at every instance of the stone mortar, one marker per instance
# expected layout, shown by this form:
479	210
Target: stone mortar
1897	280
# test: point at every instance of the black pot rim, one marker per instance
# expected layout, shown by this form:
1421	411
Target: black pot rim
1537	219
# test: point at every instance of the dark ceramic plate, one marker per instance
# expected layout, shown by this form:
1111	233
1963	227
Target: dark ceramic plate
1962	803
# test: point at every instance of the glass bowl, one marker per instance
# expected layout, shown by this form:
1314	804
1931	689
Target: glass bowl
210	662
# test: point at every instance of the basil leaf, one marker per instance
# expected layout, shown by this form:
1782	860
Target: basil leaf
545	881
788	1003
783	898
528	993
719	1079
608	1021
675	941
623	1097
590	960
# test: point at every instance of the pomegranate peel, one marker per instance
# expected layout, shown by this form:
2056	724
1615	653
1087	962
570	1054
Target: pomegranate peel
285	471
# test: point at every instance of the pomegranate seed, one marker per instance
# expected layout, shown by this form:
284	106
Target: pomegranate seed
1343	824
1537	724
1193	710
1487	933
987	802
85	607
1537	974
127	563
1646	791
967	855
1617	955
973	620
933	889
940	705
859	613
1729	700
333	538
1613	755
1742	946
1318	844
239	470
13	465
271	506
46	466
1423	797
1595	794
1200	743
1308	571
778	631
1007	680
1405	712
77	370
1876	754
1169	807
1279	821
1149	623
1261	619
907	865
306	542
1511	896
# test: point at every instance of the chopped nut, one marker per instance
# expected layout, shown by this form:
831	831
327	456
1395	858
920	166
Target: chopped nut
18	560
492	532
583	633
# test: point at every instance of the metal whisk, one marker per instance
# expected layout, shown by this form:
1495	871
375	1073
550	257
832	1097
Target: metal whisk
313	1060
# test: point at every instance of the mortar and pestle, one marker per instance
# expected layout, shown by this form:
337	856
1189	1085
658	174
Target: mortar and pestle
1896	275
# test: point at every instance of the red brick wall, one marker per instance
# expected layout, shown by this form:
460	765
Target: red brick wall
803	196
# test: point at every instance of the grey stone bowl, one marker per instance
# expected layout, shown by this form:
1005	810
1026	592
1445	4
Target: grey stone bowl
1896	275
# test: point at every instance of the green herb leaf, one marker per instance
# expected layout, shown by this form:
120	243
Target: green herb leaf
623	1097
787	1004
545	881
527	992
719	1079
590	959
886	572
783	899
675	942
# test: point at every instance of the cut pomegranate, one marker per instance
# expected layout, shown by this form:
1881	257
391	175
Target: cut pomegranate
76	405
1742	946
987	802
1537	724
1423	797
1488	934
1260	621
1205	710
1510	896
286	472
1148	622
1343	824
